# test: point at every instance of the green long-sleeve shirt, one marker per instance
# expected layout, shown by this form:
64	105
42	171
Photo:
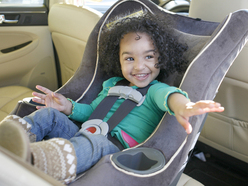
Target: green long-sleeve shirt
142	120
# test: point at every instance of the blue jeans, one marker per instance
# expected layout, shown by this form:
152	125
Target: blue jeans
49	123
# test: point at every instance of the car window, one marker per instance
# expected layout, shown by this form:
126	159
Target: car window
21	2
99	5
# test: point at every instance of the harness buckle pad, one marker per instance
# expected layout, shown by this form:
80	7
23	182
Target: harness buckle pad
95	126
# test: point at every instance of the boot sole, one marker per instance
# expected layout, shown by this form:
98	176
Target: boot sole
14	139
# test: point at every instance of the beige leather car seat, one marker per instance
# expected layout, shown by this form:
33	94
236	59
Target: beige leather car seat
227	131
70	27
9	96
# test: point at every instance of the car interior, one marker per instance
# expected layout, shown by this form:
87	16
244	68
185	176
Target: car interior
227	131
52	54
69	35
224	136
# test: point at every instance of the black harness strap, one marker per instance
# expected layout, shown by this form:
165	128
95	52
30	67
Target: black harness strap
124	110
105	105
103	108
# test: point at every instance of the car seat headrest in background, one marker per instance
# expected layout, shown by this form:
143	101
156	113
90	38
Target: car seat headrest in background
70	27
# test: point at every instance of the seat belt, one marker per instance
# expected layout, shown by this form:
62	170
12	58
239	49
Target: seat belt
133	98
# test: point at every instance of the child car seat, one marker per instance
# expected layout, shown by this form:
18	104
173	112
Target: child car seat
161	159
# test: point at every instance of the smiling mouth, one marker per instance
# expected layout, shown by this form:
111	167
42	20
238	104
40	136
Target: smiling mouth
141	76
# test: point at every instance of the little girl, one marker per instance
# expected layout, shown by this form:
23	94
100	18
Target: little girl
140	50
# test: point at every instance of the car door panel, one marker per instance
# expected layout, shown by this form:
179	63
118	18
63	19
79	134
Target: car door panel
16	44
26	50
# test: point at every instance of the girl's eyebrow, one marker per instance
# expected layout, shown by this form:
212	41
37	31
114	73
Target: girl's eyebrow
126	53
148	51
152	50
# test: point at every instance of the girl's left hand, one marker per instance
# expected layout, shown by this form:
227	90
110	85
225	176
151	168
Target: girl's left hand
198	108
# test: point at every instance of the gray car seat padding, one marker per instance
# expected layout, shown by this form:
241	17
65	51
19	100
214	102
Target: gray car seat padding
212	49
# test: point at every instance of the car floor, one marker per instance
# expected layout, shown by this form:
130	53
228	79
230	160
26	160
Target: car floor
219	169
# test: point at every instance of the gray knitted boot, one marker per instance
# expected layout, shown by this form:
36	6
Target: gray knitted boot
56	157
14	139
13	119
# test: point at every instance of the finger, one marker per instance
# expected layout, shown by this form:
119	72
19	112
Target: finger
188	128
38	100
200	104
185	124
39	95
43	89
40	107
207	103
211	107
191	111
218	109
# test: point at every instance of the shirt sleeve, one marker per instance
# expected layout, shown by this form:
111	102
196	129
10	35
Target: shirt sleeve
81	112
161	93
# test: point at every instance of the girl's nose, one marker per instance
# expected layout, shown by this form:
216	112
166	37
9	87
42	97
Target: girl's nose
139	64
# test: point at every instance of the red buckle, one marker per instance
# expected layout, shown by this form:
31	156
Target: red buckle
95	126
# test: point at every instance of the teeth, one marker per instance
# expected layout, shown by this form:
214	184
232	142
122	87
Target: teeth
140	75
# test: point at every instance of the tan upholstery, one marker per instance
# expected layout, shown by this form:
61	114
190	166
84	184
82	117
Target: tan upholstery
188	181
10	96
227	131
70	27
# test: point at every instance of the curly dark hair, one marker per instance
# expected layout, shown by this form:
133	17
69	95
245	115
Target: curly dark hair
170	50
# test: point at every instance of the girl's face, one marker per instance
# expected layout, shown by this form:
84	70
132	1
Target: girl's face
138	59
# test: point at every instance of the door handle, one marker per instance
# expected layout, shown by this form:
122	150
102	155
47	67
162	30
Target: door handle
3	20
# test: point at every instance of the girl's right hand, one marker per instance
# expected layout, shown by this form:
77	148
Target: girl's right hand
53	100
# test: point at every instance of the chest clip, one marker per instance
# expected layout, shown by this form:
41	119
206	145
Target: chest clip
126	92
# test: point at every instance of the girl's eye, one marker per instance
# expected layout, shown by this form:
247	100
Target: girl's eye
149	57
129	59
